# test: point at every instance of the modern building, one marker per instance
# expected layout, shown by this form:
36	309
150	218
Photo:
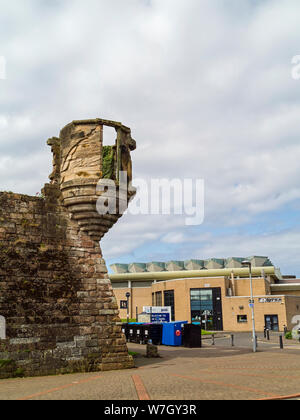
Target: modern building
215	292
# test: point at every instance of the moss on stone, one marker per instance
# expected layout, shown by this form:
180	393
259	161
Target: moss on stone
108	162
19	373
5	363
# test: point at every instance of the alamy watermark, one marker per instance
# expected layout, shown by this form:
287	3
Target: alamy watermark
2	68
296	329
154	197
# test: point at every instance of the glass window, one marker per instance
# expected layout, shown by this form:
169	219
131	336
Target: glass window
206	295
158	299
195	294
169	299
242	319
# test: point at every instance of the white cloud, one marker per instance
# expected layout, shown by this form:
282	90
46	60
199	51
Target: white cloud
206	87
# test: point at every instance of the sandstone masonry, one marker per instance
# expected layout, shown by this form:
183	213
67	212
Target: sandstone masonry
60	310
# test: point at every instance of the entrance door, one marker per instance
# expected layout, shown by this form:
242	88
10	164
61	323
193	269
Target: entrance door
271	322
206	307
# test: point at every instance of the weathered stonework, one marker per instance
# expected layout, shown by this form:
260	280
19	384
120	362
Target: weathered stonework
60	310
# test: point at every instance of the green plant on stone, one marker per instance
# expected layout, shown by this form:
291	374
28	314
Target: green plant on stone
19	373
133	353
4	363
108	162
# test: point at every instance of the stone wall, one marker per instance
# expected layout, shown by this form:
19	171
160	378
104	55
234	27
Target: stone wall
55	295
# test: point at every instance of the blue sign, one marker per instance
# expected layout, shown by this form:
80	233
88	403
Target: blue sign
160	317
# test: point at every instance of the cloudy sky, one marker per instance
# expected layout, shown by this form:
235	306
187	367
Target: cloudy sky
205	85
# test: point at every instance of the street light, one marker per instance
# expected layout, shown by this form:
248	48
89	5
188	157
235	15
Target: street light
248	264
128	297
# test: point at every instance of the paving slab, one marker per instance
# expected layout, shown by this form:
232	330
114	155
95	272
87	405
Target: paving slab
219	372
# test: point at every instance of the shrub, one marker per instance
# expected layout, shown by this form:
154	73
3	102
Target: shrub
289	335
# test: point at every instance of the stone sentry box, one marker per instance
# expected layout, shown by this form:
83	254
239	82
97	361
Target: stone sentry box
55	295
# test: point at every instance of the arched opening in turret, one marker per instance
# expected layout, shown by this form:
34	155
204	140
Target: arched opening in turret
109	136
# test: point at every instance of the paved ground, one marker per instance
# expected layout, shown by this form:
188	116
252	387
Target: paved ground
219	372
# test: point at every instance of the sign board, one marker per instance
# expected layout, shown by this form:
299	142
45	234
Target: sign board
270	300
123	304
144	318
162	318
159	313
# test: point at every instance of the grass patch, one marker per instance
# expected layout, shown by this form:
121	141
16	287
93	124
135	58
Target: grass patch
125	320
207	332
133	353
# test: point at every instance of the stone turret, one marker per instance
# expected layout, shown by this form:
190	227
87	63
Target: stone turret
80	161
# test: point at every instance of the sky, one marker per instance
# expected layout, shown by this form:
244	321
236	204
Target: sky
207	88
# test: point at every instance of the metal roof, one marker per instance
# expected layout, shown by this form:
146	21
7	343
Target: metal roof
190	265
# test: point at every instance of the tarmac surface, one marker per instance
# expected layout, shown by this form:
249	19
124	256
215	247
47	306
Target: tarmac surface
214	372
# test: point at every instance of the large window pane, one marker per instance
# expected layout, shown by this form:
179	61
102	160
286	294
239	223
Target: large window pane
169	299
158	298
195	294
206	295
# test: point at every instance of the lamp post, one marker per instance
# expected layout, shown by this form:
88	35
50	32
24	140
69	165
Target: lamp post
248	264
128	297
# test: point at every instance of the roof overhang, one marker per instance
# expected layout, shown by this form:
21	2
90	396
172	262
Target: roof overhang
285	287
172	275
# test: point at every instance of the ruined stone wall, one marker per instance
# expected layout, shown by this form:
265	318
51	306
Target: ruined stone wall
55	295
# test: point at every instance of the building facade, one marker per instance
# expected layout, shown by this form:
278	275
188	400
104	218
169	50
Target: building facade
214	292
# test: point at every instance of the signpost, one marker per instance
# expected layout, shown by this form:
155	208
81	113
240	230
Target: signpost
159	314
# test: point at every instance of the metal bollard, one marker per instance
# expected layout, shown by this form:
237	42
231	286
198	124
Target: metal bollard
281	341
256	341
265	332
213	340
232	340
268	334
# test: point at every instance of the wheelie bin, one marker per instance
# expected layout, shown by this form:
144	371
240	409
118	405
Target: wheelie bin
192	336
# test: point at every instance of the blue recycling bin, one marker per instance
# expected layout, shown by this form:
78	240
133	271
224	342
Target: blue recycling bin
172	333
